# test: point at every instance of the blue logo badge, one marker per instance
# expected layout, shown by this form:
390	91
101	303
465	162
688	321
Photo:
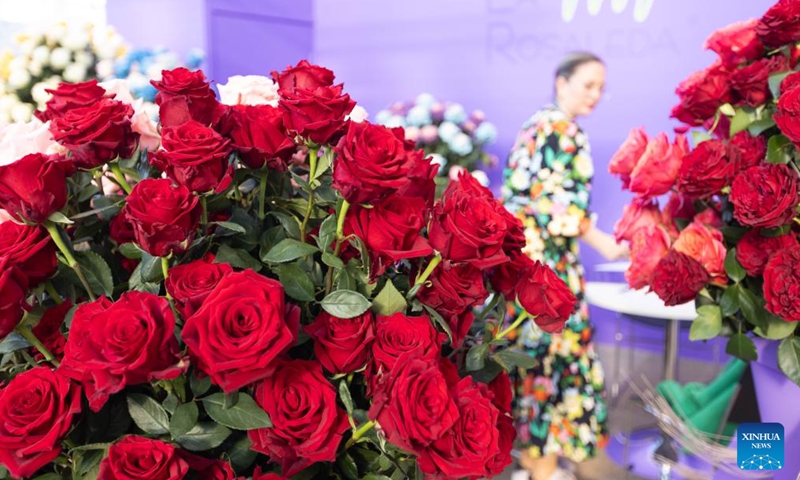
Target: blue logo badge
759	446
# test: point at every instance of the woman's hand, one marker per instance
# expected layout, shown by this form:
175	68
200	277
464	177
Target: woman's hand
605	244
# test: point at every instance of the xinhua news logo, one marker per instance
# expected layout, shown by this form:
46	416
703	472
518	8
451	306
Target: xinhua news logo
759	446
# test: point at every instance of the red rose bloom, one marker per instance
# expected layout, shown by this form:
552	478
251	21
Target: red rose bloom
194	156
203	468
398	334
259	135
48	330
164	217
30	249
181	89
307	422
33	187
752	149
677	278
242	326
453	288
390	230
754	250
707	169
258	475
780	25
701	94
737	43
13	295
782	284
421	181
789	82
638	214
342	345
657	169
628	155
751	83
705	245
191	283
120	229
139	457
36	411
317	115
69	96
303	76
127	342
787	115
764	196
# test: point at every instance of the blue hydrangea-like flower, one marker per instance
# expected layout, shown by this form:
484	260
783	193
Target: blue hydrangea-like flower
382	117
461	144
448	130
395	121
418	116
437	159
425	100
485	133
455	113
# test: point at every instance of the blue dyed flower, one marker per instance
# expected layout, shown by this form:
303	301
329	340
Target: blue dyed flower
418	116
425	100
461	144
448	130
396	121
485	133
382	117
455	113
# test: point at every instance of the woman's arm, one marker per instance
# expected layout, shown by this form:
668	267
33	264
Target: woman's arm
605	244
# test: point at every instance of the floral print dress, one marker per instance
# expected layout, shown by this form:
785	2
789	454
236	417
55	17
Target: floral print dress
559	406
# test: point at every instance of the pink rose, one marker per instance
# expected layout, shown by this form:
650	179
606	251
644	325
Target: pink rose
648	246
141	123
639	213
628	155
20	139
706	246
248	90
737	43
658	167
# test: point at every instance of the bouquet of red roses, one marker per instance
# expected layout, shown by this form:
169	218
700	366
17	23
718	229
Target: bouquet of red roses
218	307
726	236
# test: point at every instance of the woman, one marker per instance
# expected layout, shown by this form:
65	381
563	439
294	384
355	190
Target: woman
559	405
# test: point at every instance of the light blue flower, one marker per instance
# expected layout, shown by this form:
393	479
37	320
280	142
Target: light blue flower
448	130
382	117
486	133
437	159
418	116
396	121
195	58
455	113
425	100
461	144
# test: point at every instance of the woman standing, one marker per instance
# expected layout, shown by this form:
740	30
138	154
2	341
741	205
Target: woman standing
559	406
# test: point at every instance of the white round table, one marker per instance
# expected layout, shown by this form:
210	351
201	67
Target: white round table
618	297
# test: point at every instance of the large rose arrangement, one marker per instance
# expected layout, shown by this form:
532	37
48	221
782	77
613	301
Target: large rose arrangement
214	307
726	236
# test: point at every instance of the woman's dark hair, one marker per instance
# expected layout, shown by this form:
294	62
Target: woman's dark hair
571	61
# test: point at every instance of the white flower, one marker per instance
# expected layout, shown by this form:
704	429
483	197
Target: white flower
75	73
249	90
21	138
41	54
60	57
481	177
359	114
19	79
7	102
56	32
84	58
39	95
448	130
105	68
75	40
21	112
18	63
35	68
425	99
437	159
27	46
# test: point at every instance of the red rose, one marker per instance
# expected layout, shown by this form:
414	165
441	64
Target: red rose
239	330
469	226
13	295
638	214
706	246
258	134
307	423
701	94
317	115
787	115
751	83
754	250
710	217
752	149
97	133
48	330
194	156
120	228
164	217
657	169
33	187
648	246
139	457
781	281
179	87
764	196
398	334
303	76
390	230
258	475
69	96
421	181
342	345
207	468
30	249
780	25
36	411
503	394
453	288
707	169
191	283
372	163
790	82
737	43
467	449
678	207
628	155
677	278
413	404
127	342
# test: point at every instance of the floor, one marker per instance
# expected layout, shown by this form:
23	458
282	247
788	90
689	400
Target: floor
626	413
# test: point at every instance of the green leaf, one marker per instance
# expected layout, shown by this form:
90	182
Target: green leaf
233	227
740	121
707	324
323	164
184	419
49	476
776	328
199	385
288	250
729	302
327	233
347	466
476	357
389	300
88	192
753	312
515	359
727	110
13	342
106	208
700	136
58	217
759	126
775	83
290	223
244	415
237	258
296	282
733	268
779	149
375	476
346	281
740	345
241	456
440	321
97	272
151	268
332	260
131	251
775	232
344	394
345	304
171	403
148	414
789	358
204	436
